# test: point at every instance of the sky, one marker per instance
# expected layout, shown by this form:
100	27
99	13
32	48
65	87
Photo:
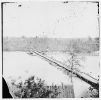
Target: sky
51	19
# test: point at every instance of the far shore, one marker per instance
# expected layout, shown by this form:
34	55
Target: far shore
48	53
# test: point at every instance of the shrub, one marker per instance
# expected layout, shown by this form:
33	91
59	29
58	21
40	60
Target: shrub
32	89
94	93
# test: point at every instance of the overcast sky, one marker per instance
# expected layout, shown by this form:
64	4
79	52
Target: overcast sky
51	19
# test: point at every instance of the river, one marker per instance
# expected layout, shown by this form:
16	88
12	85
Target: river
19	66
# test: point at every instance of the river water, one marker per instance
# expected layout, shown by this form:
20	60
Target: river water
18	66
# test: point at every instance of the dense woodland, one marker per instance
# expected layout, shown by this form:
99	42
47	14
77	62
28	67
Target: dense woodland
81	45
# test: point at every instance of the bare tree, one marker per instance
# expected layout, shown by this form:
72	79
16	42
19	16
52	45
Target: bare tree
74	60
